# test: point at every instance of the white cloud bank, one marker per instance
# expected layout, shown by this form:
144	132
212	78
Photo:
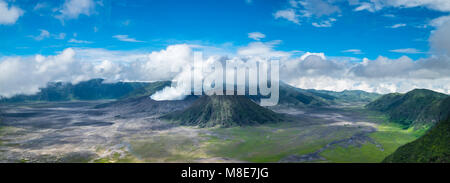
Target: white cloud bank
437	22
312	70
440	39
25	75
382	75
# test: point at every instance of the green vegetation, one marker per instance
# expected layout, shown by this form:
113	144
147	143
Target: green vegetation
8	130
271	143
367	153
95	89
168	148
433	147
388	137
417	108
262	143
289	95
117	157
300	97
224	111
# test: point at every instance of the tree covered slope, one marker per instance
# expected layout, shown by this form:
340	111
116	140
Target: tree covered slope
300	97
433	147
415	108
350	95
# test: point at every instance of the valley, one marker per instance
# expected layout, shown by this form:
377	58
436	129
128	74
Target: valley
81	131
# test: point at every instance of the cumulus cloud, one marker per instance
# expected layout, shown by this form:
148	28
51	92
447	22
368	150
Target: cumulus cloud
440	39
437	22
382	75
288	14
9	14
72	9
25	75
256	35
314	64
383	67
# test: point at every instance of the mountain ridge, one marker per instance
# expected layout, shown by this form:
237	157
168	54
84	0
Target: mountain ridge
433	147
417	108
97	89
94	89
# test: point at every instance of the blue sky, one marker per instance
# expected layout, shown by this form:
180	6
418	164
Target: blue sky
156	24
372	45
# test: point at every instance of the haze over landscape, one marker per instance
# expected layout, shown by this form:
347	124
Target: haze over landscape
91	81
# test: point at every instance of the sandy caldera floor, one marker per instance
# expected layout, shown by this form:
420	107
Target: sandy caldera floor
78	132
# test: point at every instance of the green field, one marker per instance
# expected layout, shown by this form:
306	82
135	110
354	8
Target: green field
389	136
268	143
271	143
